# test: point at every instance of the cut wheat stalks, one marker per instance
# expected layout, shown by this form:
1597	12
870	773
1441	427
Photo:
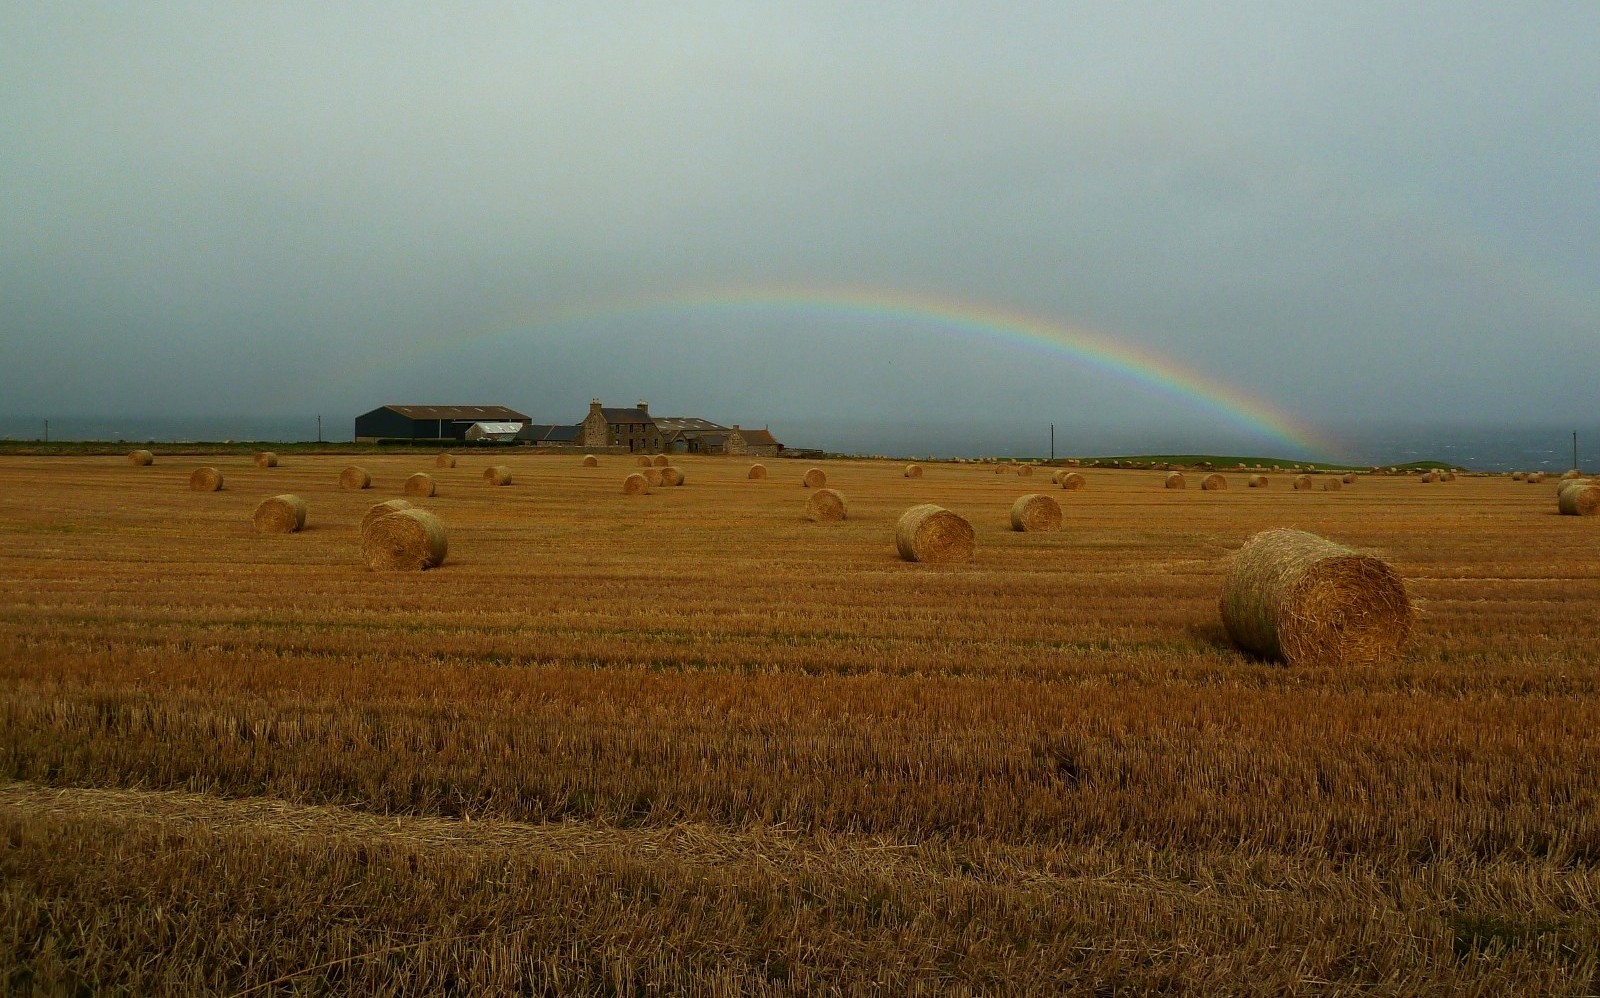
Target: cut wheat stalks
265	459
825	506
445	461
1214	483
757	472
635	485
382	509
355	477
497	475
1175	480
814	479
407	540
205	480
420	484
141	458
933	534
1578	497
1035	512
672	475
283	514
1301	598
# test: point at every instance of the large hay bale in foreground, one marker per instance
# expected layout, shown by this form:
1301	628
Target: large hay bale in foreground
1302	483
635	485
758	472
933	534
497	475
1073	482
1578	497
1214	483
408	540
265	459
1035	512
141	458
1175	480
825	506
1301	598
420	484
205	480
283	514
590	461
671	475
355	477
913	471
1258	481
814	479
641	461
652	475
445	461
382	509
1332	485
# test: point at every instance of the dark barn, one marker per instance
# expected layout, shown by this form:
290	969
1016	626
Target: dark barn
429	422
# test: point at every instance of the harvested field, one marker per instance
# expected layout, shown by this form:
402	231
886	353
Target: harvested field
814	768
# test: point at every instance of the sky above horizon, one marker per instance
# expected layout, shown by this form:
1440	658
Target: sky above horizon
1183	223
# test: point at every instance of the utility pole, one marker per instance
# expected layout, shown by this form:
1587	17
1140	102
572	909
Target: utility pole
319	428
47	434
1052	441
1574	447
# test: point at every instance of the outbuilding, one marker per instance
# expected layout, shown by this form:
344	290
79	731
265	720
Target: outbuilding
431	422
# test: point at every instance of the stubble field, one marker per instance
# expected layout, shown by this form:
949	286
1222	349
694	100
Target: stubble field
691	742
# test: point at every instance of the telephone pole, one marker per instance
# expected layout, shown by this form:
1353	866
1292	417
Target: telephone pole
1574	447
319	428
47	433
1052	441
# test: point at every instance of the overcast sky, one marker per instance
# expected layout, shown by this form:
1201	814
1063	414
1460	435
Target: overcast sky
1349	212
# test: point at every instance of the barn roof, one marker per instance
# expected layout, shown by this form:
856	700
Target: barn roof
496	428
549	433
686	423
759	438
474	413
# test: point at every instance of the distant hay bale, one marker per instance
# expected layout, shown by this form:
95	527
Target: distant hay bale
652	475
1578	497
1332	485
1571	474
1072	462
642	461
1000	470
671	475
445	461
1519	476
1175	480
355	477
913	471
265	459
1258	481
661	461
1035	512
825	506
1025	471
420	484
497	474
1428	478
1302	483
1301	598
205	480
1214	483
590	461
283	514
1350	479
1535	478
382	509
1073	482
635	485
757	472
814	479
933	534
1448	476
407	540
141	458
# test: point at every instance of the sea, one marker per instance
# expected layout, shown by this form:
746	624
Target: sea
1479	448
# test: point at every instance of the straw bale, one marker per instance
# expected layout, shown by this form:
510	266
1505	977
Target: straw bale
1035	512
913	471
355	477
283	514
814	479
420	484
382	509
205	480
407	540
933	534
641	461
1175	480
1025	471
265	459
1350	479
1519	476
1571	474
1214	483
445	461
497	474
635	485
1258	481
1302	483
1428	478
1578	497
661	460
1301	598
1449	476
758	472
999	469
671	475
1535	478
652	475
1073	482
590	461
825	506
1332	485
141	458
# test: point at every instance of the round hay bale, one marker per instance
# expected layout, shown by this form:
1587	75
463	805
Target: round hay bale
497	475
635	485
1073	482
407	540
661	461
1571	474
445	461
758	472
1035	512
1350	479
1578	497
1258	481
1026	471
1303	599
814	479
590	461
283	514
1175	480
1535	478
1449	476
205	480
382	509
1332	485
1519	476
653	475
825	506
265	459
641	461
933	534
913	471
1214	483
1428	478
671	475
420	484
355	477
141	458
1000	470
1302	483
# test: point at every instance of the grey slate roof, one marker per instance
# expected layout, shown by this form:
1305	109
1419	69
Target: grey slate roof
549	433
626	415
472	413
